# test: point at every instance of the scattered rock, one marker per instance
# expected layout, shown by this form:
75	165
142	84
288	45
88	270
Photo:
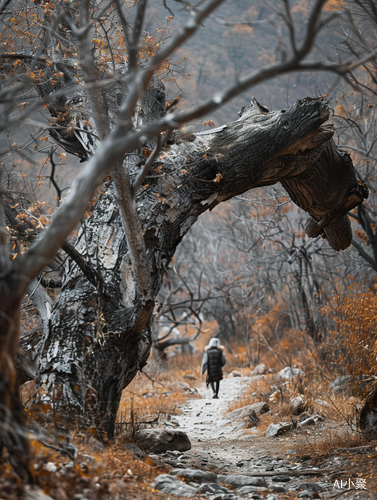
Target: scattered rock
274	397
241	413
281	479
245	490
289	373
308	421
161	440
342	384
274	430
135	450
198	476
212	488
278	488
181	385
260	369
310	487
238	480
50	467
297	405
304	494
189	377
235	373
171	485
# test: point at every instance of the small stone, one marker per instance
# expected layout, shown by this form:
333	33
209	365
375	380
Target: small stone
171	485
308	421
238	480
274	430
282	479
216	488
239	464
260	369
181	385
278	488
241	413
297	405
289	373
235	373
198	476
245	490
304	494
311	487
135	450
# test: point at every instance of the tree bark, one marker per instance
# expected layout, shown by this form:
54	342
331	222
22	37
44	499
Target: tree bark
98	335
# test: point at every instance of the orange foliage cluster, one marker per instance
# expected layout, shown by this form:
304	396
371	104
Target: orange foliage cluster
350	342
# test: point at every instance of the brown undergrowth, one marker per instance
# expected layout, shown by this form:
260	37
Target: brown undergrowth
112	471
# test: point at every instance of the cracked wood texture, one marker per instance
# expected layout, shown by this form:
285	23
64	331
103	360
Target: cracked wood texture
98	335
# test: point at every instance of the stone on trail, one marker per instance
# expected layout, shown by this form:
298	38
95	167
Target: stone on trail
274	430
289	373
281	479
198	476
297	405
181	385
161	440
235	373
239	480
307	421
213	488
173	486
260	369
246	411
245	490
310	487
135	450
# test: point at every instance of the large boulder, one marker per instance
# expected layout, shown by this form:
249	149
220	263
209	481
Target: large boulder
173	486
247	411
161	440
198	476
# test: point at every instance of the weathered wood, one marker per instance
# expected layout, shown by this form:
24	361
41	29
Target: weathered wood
99	337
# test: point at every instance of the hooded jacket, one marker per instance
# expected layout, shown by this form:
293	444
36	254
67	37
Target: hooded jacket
213	361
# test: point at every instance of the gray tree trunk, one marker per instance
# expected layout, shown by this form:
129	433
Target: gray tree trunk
98	335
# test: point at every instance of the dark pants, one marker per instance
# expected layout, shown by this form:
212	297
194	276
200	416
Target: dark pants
215	387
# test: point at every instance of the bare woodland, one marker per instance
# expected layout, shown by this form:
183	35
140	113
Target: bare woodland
87	75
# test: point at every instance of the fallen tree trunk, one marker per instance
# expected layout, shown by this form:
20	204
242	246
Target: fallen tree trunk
98	335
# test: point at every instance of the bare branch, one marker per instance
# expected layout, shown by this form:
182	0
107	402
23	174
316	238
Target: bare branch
144	171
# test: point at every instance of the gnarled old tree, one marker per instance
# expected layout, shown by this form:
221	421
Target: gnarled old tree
153	187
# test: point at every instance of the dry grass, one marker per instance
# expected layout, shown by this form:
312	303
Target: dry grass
158	396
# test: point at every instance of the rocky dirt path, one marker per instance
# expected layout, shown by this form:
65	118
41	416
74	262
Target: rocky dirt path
245	463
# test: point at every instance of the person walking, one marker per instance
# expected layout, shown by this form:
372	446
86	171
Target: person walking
213	361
